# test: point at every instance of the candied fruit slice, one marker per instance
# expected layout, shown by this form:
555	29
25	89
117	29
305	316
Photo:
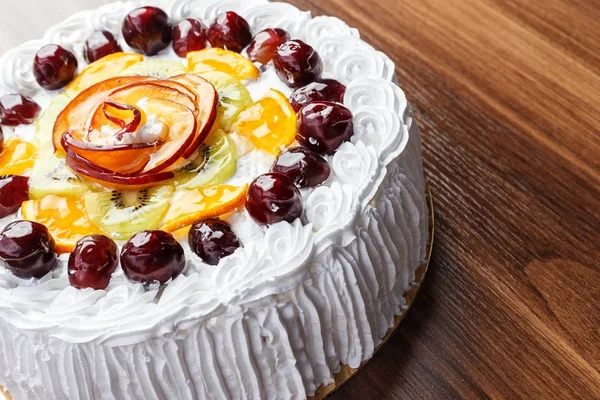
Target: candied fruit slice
270	123
103	69
191	206
17	157
229	62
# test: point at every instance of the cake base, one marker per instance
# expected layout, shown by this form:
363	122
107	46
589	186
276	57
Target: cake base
347	373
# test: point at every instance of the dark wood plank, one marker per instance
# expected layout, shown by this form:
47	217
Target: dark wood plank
508	99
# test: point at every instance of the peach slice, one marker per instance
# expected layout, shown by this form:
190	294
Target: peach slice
216	59
16	157
64	217
78	111
270	123
105	68
191	206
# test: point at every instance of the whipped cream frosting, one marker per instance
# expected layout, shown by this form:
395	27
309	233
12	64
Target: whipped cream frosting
275	319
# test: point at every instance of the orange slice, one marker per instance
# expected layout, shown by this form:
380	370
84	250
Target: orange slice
16	157
103	69
64	217
229	62
270	123
191	206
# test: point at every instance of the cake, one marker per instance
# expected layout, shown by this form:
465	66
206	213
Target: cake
299	173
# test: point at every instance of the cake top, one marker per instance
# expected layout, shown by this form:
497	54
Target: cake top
137	136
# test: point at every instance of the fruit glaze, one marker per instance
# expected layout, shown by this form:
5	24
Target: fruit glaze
201	199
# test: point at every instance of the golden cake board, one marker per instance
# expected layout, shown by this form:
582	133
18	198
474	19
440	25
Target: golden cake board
346	372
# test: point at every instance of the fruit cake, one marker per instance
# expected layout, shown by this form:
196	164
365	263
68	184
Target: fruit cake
201	199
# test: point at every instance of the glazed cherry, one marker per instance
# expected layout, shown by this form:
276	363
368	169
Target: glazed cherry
230	31
297	64
273	198
100	44
324	126
265	44
189	35
322	90
27	249
54	67
18	110
152	256
147	29
305	168
92	262
14	190
212	240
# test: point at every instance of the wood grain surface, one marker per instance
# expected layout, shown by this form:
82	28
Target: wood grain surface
508	99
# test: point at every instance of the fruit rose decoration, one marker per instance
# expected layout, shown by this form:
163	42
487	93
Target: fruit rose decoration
133	132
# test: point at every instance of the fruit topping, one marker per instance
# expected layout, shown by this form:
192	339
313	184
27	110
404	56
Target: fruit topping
18	110
214	164
45	124
14	190
191	206
134	131
265	44
1	140
189	35
161	69
297	64
54	67
152	257
324	126
103	69
322	90
233	97
17	157
147	30
92	262
122	214
270	123
27	249
273	198
230	31
100	44
50	175
305	168
213	240
226	61
64	217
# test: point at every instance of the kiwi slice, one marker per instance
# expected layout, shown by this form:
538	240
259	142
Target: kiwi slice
123	214
45	124
214	164
50	175
161	69
233	97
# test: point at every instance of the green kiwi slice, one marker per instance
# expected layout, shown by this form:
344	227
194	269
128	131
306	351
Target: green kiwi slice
161	69
233	97
50	175
123	214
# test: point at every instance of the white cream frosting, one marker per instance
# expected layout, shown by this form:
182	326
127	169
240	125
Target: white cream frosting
275	319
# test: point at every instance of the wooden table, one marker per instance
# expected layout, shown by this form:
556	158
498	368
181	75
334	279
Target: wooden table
508	99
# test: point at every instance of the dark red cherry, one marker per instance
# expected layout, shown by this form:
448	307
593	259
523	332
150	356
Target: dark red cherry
273	198
324	126
54	67
305	168
230	31
16	109
212	240
152	256
147	30
92	262
100	44
27	249
297	64
189	35
14	190
322	90
265	44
